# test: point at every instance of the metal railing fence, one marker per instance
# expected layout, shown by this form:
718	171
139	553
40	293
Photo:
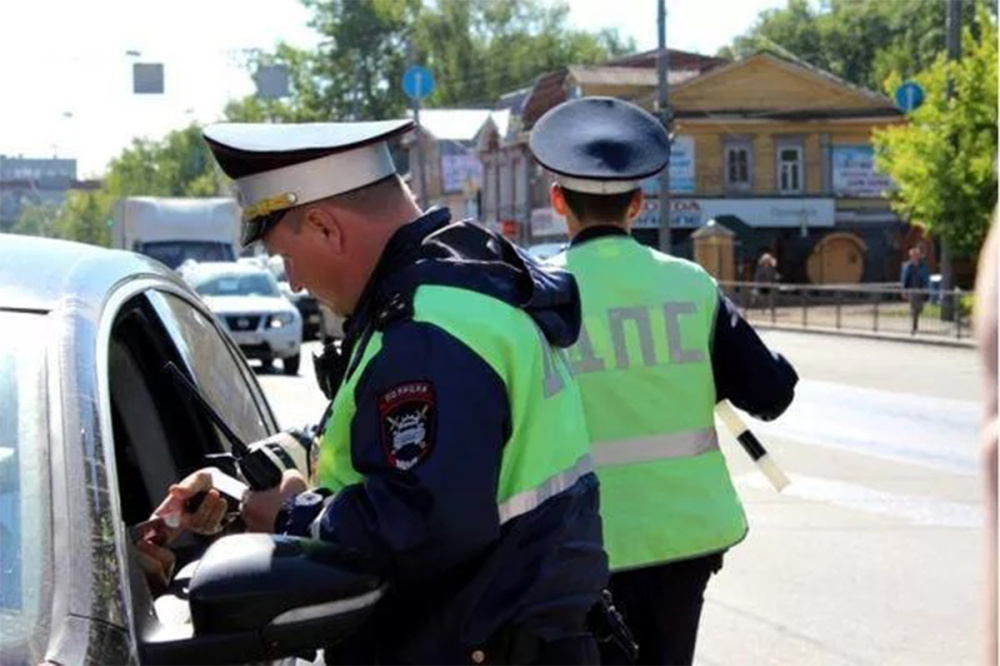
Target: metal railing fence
876	309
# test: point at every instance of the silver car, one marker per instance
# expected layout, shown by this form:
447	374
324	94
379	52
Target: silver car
92	433
248	302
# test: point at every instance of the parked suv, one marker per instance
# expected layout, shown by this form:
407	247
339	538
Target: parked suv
248	302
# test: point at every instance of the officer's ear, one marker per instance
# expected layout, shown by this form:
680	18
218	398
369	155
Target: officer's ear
557	199
325	227
634	206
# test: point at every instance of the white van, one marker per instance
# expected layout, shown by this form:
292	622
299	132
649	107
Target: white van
175	230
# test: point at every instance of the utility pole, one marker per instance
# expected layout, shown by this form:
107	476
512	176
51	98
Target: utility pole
661	77
421	160
954	40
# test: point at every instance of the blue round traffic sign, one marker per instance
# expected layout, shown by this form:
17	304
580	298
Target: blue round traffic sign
418	82
909	96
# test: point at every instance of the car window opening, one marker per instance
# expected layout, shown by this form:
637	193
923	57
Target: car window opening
159	436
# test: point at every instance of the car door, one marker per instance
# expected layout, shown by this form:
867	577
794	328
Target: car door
117	433
159	432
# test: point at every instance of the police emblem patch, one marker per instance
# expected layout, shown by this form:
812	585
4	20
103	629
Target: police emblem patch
407	420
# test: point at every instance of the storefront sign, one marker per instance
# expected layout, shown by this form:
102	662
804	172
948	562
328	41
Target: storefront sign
683	213
681	169
854	173
774	212
458	168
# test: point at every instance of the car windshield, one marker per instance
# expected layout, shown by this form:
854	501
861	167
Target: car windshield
25	528
173	253
235	284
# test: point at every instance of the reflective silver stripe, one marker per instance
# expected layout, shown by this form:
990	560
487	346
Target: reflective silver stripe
329	609
527	500
658	447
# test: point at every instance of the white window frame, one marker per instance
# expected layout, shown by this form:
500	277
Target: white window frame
794	170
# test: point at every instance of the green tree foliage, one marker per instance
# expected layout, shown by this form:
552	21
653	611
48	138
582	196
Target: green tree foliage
179	165
37	220
477	49
81	217
861	41
84	215
305	102
944	158
480	49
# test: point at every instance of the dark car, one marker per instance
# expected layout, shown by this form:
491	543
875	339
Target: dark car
92	433
318	321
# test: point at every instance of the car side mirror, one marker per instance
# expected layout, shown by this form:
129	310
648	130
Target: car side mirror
259	597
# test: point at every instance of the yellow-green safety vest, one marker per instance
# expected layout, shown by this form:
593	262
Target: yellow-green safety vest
548	448
643	363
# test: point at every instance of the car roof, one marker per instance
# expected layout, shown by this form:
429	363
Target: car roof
39	273
207	268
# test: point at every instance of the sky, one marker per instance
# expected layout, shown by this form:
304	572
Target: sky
65	70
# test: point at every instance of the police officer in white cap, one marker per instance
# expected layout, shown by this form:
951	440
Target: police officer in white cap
659	347
456	460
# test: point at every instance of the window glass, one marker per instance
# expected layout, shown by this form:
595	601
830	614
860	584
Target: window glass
738	166
225	382
173	253
789	169
25	526
236	284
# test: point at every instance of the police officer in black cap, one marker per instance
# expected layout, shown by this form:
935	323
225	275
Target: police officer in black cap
456	460
659	347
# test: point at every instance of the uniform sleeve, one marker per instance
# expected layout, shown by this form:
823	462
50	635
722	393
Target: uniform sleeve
747	373
428	436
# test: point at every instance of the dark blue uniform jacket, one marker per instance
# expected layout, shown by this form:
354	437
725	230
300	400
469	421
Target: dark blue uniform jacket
432	530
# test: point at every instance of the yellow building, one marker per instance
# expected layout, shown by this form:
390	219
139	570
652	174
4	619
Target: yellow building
778	151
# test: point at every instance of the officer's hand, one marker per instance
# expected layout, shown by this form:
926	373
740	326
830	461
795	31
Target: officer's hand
260	508
207	518
156	562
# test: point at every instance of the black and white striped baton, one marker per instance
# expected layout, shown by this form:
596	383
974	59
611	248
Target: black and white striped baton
735	424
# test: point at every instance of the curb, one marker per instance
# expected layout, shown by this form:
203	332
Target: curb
961	343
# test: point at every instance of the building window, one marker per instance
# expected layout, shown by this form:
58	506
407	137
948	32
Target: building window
790	169
739	166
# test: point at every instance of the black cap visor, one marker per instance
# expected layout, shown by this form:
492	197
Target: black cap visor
260	226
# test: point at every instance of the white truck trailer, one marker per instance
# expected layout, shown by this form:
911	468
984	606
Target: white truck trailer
175	230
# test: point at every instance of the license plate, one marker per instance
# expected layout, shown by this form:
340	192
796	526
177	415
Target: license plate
314	319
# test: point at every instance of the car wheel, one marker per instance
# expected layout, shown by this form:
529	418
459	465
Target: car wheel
291	365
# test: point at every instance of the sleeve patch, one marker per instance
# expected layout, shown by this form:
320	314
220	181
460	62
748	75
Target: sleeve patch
407	419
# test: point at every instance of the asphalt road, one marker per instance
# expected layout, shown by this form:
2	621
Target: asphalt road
873	555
